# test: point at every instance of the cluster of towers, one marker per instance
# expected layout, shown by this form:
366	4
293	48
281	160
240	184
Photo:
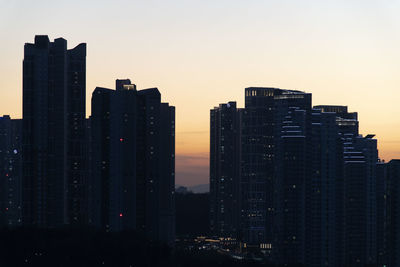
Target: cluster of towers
113	171
300	182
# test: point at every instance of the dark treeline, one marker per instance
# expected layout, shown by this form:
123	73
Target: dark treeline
70	247
39	247
192	214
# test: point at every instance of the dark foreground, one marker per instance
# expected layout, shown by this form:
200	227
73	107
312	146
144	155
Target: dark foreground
75	248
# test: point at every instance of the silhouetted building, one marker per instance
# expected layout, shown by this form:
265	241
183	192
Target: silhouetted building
360	158
167	223
10	171
325	227
133	161
224	170
346	121
355	202
90	201
368	146
393	213
257	167
310	191
292	179
275	168
54	88
381	213
347	130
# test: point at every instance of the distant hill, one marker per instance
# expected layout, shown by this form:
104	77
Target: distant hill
197	189
201	188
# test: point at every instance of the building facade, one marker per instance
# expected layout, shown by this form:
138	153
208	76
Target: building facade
392	235
326	191
224	170
275	168
10	171
293	175
360	158
308	185
53	133
133	161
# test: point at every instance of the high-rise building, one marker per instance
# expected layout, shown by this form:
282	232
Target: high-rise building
346	121
292	179
360	158
90	201
325	226
275	166
393	213
368	145
167	209
53	133
257	167
355	204
133	161
224	170
10	171
381	213
310	191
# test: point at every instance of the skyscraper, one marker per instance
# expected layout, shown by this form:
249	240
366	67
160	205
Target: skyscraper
292	179
224	170
360	158
10	171
393	213
275	166
325	227
54	178
257	166
308	187
355	185
382	213
133	161
346	121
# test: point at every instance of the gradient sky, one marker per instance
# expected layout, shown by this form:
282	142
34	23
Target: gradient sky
201	53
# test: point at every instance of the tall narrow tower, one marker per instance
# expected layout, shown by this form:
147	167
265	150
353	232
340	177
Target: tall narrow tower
133	161
54	87
224	170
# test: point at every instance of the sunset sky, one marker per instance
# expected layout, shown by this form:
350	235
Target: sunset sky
201	53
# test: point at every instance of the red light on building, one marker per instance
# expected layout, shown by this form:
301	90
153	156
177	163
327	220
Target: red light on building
120	215
121	139
7	174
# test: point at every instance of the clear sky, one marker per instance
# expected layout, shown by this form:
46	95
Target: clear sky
200	53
